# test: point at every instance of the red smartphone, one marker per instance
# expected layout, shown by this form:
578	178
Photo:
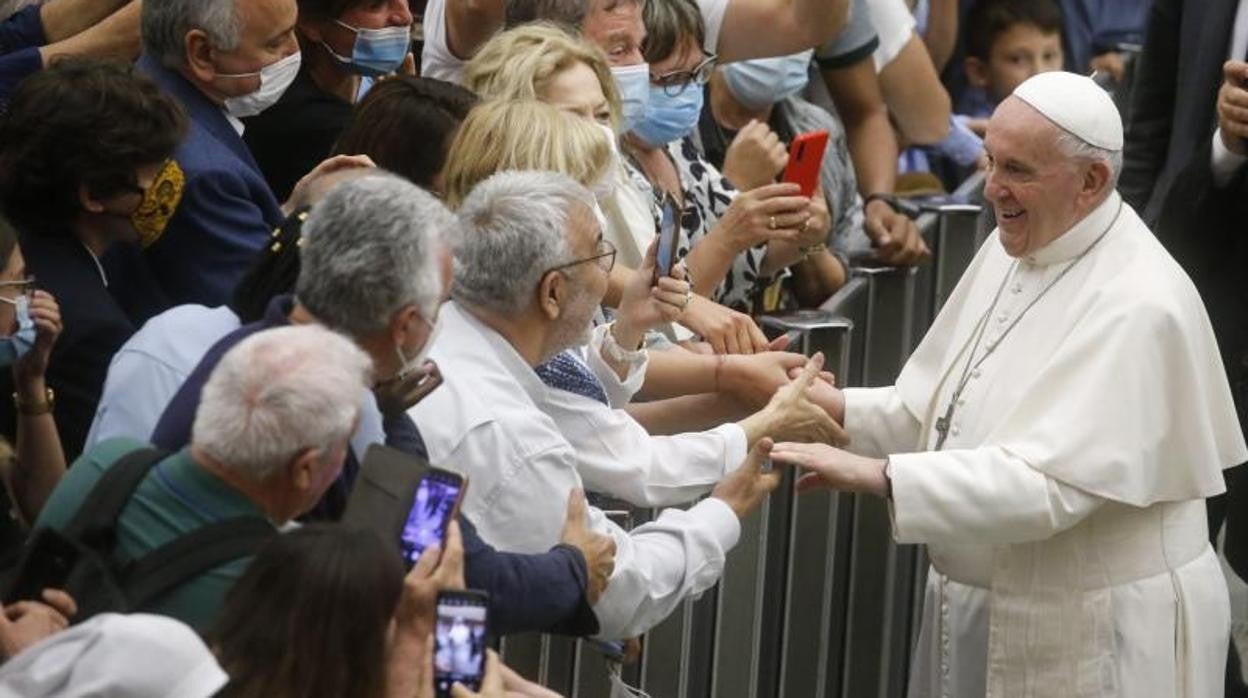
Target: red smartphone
805	161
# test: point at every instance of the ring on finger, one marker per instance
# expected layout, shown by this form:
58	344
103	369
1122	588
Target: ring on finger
688	297
771	222
805	225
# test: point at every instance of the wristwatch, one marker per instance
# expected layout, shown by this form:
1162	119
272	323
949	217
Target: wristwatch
35	408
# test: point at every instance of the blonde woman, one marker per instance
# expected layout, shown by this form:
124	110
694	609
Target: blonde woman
542	61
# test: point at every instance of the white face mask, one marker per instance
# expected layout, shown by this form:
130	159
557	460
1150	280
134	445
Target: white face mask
275	78
408	366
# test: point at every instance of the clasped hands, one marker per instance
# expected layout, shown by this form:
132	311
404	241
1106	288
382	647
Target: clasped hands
829	466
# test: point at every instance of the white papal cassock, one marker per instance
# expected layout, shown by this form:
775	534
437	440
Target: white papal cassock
1065	515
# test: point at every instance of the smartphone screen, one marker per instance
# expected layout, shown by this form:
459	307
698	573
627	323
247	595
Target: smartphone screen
432	509
460	640
667	237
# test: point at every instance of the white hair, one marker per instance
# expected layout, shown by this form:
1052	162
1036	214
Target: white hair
370	248
277	394
1076	148
512	230
165	24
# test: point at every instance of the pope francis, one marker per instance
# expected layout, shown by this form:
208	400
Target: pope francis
1054	436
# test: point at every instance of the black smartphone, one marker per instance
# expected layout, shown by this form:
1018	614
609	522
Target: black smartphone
669	225
460	638
47	562
435	503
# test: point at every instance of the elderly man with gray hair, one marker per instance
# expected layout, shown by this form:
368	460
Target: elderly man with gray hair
375	268
530	271
270	437
211	209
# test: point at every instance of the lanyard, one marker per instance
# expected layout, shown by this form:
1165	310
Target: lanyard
945	422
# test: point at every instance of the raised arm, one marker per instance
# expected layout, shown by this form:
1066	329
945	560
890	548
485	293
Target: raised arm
790	26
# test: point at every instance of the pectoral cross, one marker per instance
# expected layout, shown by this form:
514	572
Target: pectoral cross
943	424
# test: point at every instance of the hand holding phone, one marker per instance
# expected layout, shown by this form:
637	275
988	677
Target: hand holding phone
434	505
461	636
669	227
806	160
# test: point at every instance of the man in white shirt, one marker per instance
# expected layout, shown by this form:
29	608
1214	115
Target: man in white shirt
530	270
1053	438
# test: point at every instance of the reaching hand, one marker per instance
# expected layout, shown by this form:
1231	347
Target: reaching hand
726	330
598	549
26	622
896	238
647	303
825	394
791	415
833	468
434	571
299	195
755	157
744	488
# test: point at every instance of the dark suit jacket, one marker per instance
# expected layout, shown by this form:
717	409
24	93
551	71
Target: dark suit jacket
1168	152
1172	112
226	212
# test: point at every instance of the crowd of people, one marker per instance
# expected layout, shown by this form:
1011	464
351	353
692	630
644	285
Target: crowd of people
245	242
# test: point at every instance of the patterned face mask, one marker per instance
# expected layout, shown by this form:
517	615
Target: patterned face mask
160	200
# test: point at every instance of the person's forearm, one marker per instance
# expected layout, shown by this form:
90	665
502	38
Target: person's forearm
793	26
39	462
65	18
709	261
984	495
780	256
916	99
817	277
872	144
677	371
470	23
117	36
941	35
679	415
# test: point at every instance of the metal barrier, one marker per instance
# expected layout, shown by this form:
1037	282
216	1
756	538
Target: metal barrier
816	600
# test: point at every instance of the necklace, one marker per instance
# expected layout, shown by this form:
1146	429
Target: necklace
945	422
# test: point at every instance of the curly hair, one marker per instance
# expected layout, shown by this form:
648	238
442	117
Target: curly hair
80	123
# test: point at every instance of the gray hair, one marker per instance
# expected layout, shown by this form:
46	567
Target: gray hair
1076	148
165	24
277	394
512	230
370	248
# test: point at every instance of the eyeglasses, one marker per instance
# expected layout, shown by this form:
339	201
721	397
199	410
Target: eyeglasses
24	287
675	82
605	259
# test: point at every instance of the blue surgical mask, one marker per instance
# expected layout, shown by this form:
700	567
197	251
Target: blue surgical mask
762	82
376	52
17	344
633	84
670	118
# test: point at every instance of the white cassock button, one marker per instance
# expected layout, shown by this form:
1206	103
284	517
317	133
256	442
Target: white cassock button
961	401
955	430
1003	316
1018	288
975	373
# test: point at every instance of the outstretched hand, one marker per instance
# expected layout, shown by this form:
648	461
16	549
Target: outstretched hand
833	468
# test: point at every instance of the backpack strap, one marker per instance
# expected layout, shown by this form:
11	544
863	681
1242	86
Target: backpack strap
192	554
97	516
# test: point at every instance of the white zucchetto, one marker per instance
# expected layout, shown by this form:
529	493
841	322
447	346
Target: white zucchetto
1077	105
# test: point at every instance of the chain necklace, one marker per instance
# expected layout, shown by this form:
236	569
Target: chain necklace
944	423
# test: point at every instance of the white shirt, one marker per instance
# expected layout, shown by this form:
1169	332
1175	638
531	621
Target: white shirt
436	59
147	371
1225	163
894	24
1064	515
618	457
484	422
